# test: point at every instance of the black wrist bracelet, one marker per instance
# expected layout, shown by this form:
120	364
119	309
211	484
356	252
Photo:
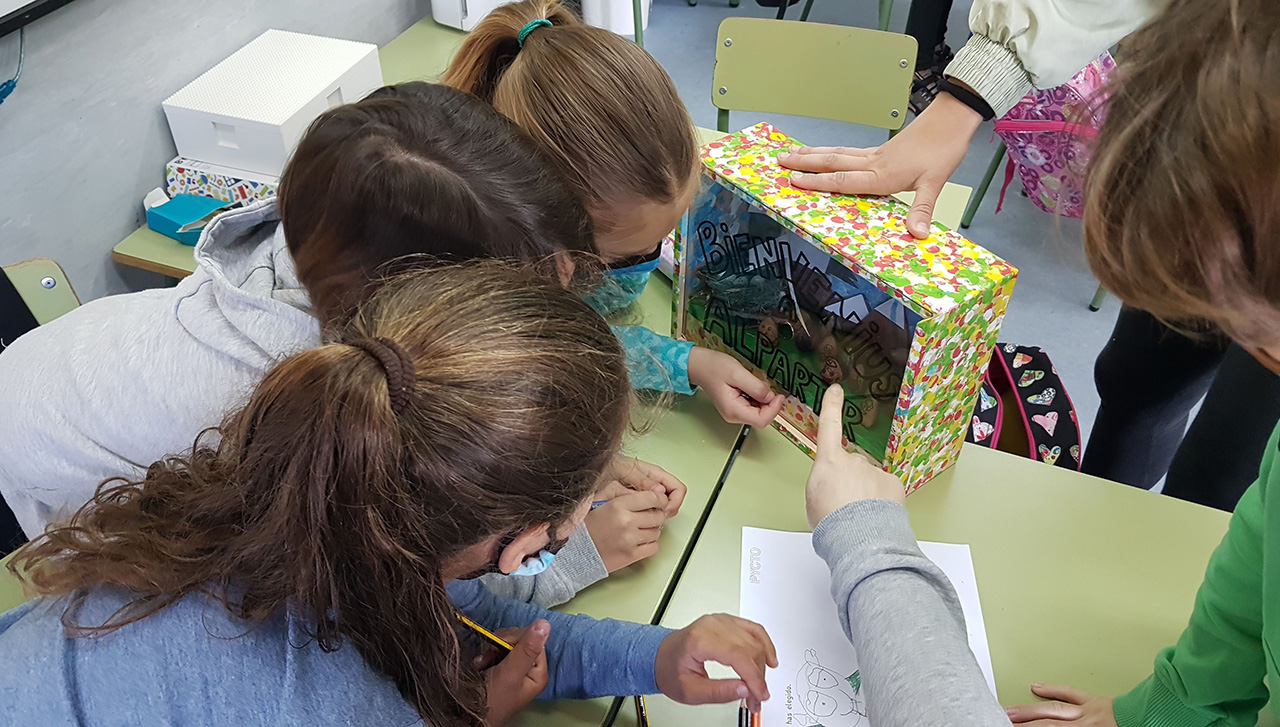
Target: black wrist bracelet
968	98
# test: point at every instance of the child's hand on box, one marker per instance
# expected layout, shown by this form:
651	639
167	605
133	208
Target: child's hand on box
839	477
739	396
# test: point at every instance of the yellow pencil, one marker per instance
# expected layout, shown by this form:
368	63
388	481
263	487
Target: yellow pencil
486	634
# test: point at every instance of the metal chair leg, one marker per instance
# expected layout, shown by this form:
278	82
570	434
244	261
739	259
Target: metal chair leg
782	10
733	3
637	12
972	209
722	121
1098	297
808	5
886	9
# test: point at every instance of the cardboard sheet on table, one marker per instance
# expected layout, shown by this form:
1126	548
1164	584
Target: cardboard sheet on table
786	587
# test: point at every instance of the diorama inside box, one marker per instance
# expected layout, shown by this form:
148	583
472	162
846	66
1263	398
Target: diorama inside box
796	313
809	289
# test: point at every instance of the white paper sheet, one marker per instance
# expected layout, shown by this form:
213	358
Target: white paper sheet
787	588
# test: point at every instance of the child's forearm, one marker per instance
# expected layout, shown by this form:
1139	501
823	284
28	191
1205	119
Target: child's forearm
587	658
903	616
655	362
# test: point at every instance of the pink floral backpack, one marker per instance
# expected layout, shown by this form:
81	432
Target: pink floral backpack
1048	135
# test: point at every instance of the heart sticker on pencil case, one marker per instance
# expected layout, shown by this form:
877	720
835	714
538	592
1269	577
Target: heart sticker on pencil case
981	429
1021	360
1048	422
1044	398
1029	378
988	400
1049	456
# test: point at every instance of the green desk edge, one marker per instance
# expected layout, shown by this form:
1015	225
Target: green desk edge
1081	581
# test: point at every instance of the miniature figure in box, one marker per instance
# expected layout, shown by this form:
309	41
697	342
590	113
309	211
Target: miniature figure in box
810	290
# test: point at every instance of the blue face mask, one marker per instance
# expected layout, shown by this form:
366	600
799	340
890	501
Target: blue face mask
534	565
623	285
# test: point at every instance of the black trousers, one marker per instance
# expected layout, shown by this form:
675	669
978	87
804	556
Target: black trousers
11	536
1149	377
927	23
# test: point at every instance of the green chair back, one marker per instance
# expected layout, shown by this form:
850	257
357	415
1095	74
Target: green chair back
772	66
811	69
44	288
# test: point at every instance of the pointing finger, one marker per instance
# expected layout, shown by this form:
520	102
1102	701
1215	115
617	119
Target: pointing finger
830	421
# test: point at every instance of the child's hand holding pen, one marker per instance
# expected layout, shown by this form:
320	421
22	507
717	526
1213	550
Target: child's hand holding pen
629	511
741	645
640	476
521	675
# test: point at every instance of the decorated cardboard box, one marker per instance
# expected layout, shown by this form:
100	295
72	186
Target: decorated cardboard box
810	289
188	176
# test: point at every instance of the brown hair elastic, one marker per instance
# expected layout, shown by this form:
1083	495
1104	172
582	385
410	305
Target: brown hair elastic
398	366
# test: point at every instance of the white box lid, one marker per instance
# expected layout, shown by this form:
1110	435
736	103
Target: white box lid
271	77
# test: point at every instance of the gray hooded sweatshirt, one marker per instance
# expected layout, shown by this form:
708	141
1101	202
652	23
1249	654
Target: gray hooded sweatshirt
122	381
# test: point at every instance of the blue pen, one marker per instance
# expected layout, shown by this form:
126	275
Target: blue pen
598	503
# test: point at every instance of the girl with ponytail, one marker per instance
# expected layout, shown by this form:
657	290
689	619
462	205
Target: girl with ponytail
301	563
609	118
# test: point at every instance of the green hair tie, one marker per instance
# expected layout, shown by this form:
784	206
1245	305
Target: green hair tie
529	27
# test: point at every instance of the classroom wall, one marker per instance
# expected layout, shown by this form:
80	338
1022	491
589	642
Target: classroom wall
83	138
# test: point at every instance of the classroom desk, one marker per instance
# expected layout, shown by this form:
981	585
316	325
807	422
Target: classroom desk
692	442
1082	581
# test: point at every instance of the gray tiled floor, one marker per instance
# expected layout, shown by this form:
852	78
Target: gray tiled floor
1050	302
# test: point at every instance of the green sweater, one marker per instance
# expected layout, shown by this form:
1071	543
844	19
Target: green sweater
1214	676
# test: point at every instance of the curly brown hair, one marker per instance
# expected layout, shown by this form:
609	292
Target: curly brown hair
317	497
1182	208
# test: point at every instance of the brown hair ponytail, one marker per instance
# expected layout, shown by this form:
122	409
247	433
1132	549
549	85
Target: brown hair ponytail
322	499
600	106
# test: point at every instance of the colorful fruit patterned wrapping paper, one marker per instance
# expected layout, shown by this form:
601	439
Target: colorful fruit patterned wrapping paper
946	294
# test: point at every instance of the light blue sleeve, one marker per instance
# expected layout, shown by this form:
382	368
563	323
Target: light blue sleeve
587	658
655	362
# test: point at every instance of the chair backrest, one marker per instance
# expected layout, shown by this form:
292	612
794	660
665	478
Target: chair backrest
825	71
44	288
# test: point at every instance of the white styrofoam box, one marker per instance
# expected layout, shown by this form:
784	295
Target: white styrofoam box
462	14
615	15
249	111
